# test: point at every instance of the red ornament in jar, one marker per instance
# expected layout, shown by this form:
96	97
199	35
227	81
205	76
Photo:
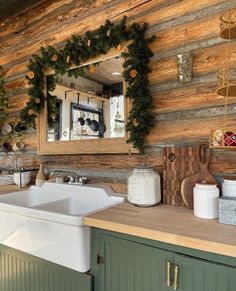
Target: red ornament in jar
229	138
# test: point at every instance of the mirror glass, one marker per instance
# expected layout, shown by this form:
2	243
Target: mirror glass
89	102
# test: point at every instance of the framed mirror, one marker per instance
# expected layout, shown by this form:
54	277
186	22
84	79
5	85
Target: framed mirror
61	105
90	110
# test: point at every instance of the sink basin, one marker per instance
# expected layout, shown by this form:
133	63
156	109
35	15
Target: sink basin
48	222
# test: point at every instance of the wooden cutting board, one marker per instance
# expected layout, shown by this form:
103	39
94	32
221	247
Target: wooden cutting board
179	162
201	176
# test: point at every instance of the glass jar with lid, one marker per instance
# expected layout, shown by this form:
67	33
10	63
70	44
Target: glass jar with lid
144	187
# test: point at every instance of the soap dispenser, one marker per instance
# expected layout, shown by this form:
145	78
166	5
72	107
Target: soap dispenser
40	178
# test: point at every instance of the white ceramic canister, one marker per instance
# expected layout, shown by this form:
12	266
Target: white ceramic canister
205	200
144	187
229	188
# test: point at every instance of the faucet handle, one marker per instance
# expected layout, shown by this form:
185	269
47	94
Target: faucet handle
82	180
71	179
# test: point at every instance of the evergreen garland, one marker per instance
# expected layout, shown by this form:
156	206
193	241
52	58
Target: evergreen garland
3	100
79	49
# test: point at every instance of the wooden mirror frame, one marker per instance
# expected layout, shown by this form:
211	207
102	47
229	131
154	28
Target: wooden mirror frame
85	146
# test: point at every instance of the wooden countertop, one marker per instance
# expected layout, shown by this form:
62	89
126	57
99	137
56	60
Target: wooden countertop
169	224
9	188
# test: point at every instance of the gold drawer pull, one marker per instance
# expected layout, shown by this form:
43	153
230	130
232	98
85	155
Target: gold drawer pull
176	273
168	271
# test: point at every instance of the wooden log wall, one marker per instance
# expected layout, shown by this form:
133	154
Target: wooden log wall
185	114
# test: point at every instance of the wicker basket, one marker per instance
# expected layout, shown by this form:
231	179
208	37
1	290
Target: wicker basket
228	24
226	80
223	138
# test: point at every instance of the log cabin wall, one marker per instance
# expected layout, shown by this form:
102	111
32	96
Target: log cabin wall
185	114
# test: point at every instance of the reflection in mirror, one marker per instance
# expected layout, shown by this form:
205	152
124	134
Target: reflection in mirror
89	103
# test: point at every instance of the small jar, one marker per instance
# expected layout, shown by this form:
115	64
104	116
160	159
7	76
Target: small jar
229	188
144	187
205	200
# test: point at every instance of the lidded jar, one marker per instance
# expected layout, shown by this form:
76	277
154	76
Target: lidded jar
229	187
144	187
205	200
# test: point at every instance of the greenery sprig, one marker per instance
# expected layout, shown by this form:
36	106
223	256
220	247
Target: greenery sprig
82	48
3	100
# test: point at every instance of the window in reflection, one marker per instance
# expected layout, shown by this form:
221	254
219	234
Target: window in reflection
90	105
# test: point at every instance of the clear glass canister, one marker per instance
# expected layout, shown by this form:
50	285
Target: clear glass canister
144	187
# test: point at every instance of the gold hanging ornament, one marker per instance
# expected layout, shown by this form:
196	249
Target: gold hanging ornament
226	77
54	58
133	73
31	75
226	84
228	24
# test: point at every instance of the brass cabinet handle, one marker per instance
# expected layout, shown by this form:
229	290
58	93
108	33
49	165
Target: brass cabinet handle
168	273
176	272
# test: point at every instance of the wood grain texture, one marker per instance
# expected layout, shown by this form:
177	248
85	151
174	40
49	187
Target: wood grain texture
179	162
174	225
185	113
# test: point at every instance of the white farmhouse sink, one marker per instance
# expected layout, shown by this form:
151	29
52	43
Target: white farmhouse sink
48	221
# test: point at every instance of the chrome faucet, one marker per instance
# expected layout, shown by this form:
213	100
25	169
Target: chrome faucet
73	177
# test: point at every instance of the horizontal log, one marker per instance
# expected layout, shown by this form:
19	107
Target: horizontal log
206	60
187	98
187	131
25	39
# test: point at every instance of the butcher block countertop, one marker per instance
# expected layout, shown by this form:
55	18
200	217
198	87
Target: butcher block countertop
169	224
4	189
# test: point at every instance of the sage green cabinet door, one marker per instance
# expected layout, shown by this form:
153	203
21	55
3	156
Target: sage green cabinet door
198	275
23	272
129	266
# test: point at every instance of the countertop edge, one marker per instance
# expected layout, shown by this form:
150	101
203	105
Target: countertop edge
179	240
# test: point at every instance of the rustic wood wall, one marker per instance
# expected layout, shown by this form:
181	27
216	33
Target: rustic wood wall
185	114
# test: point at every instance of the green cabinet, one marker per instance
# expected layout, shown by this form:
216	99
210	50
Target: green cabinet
200	275
23	272
127	263
130	266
